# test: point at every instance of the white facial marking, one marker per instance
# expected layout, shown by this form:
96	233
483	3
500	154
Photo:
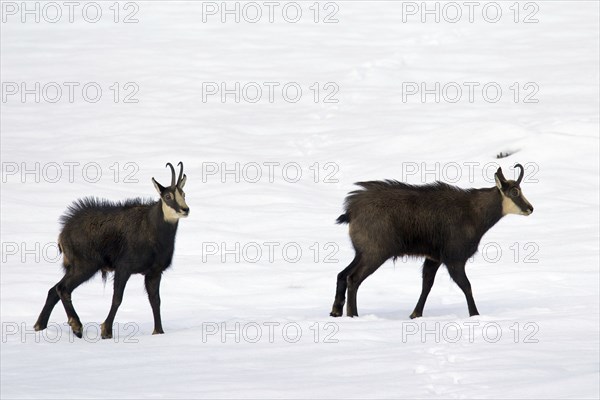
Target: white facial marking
180	200
509	206
169	214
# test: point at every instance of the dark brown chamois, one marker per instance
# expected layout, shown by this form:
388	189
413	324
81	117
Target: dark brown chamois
443	223
131	237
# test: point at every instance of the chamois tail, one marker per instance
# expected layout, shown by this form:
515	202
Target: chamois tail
343	219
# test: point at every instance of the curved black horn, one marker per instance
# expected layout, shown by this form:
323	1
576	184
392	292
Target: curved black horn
172	173
521	174
180	164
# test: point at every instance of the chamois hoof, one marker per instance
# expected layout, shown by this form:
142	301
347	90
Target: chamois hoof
158	332
76	327
105	333
39	327
336	313
415	315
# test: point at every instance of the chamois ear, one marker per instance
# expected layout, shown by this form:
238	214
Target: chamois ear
500	179
159	188
498	183
182	182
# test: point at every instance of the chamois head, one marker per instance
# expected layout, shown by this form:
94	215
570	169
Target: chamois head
173	197
513	201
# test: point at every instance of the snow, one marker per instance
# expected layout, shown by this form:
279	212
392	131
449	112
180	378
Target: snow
538	333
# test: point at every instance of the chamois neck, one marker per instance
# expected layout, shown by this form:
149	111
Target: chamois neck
158	217
488	206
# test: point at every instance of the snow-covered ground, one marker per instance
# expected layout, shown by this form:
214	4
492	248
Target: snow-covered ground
252	321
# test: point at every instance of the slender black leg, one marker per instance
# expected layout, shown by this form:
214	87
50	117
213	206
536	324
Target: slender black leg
342	284
152	287
74	277
119	288
430	268
356	278
458	274
51	300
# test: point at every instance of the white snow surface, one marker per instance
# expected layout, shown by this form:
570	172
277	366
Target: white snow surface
538	332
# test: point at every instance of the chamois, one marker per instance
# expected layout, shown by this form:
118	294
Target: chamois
441	222
131	237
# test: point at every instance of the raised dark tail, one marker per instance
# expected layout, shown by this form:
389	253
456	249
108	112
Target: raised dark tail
343	219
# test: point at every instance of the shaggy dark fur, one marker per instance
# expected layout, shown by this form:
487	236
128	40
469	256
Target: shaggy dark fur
440	222
130	237
105	234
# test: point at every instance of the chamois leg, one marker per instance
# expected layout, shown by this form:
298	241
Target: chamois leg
75	276
365	268
152	288
51	300
342	284
430	268
458	274
119	287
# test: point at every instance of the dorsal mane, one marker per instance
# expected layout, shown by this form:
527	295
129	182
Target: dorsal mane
104	205
390	184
